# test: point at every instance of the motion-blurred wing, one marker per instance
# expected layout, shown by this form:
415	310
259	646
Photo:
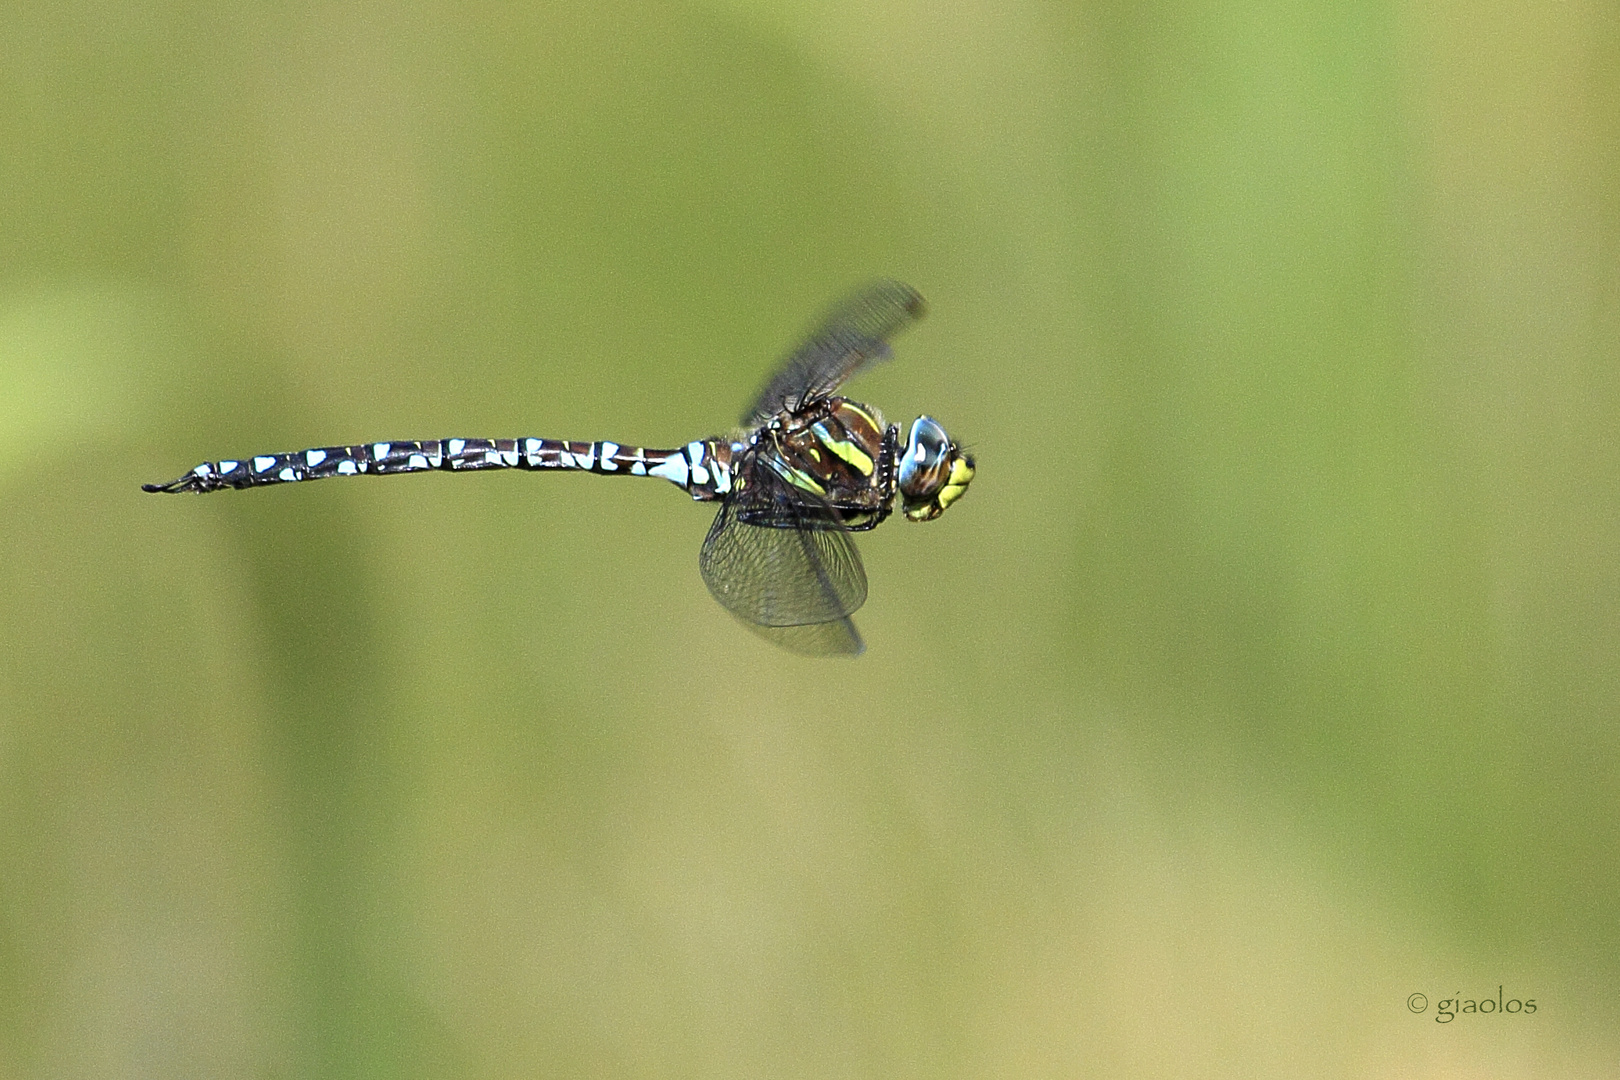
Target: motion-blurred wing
853	335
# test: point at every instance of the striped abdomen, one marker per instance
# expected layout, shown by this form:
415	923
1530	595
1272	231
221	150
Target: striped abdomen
701	468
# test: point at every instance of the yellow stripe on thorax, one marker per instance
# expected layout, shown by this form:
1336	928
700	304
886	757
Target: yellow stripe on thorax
796	477
844	449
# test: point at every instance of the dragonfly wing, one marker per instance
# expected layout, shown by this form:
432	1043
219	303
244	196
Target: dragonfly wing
778	556
852	336
836	638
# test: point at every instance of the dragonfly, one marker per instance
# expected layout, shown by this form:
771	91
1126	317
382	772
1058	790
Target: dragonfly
807	469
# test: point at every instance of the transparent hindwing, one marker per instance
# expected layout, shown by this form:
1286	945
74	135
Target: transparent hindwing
780	559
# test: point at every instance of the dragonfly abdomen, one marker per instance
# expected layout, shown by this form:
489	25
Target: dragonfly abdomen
701	468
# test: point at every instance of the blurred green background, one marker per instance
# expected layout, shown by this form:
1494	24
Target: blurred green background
1267	676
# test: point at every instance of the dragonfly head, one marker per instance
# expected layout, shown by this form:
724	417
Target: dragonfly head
933	472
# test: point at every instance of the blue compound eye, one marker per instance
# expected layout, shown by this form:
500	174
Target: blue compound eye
922	463
933	473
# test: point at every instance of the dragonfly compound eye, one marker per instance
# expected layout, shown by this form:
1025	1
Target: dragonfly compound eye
933	473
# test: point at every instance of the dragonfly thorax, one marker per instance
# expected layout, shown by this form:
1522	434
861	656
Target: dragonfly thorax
838	451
